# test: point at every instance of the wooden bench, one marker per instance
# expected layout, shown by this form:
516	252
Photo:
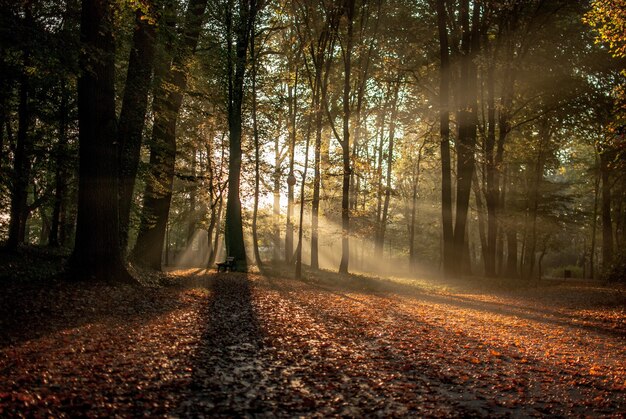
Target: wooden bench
229	263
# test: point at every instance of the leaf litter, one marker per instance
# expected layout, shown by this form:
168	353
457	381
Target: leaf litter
223	345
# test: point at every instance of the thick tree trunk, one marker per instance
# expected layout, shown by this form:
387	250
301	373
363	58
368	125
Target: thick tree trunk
166	106
467	121
235	246
97	254
133	113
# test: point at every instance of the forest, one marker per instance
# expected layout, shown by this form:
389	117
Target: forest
420	206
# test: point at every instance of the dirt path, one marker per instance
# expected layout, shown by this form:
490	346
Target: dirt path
235	345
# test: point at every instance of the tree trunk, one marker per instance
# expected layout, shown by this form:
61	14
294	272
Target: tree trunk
378	240
491	187
444	130
133	113
345	144
255	134
317	177
467	121
416	180
166	106
60	175
97	253
298	270
392	132
607	226
594	220
23	151
292	100
235	246
480	210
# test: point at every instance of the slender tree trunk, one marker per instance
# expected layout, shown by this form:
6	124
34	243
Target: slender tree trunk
594	220
378	239
345	145
298	271
291	178
192	219
317	177
480	210
97	253
257	158
216	238
607	225
133	113
60	175
23	150
390	156
166	106
444	130
416	180
276	204
491	188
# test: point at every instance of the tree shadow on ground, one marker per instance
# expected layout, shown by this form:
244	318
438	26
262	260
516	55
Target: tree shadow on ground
454	371
228	369
524	308
32	310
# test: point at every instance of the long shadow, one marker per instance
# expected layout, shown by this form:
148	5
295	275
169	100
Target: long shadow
226	366
332	282
35	309
440	380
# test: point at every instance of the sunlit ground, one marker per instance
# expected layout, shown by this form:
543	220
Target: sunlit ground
251	344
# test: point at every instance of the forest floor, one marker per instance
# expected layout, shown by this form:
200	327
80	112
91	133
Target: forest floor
234	344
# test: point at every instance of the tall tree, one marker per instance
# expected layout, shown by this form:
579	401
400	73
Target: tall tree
97	254
134	107
349	8
166	105
23	149
238	29
444	132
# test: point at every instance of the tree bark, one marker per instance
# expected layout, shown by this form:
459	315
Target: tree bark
467	120
60	175
166	106
345	144
235	246
605	210
255	134
390	156
444	132
23	149
97	254
133	113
